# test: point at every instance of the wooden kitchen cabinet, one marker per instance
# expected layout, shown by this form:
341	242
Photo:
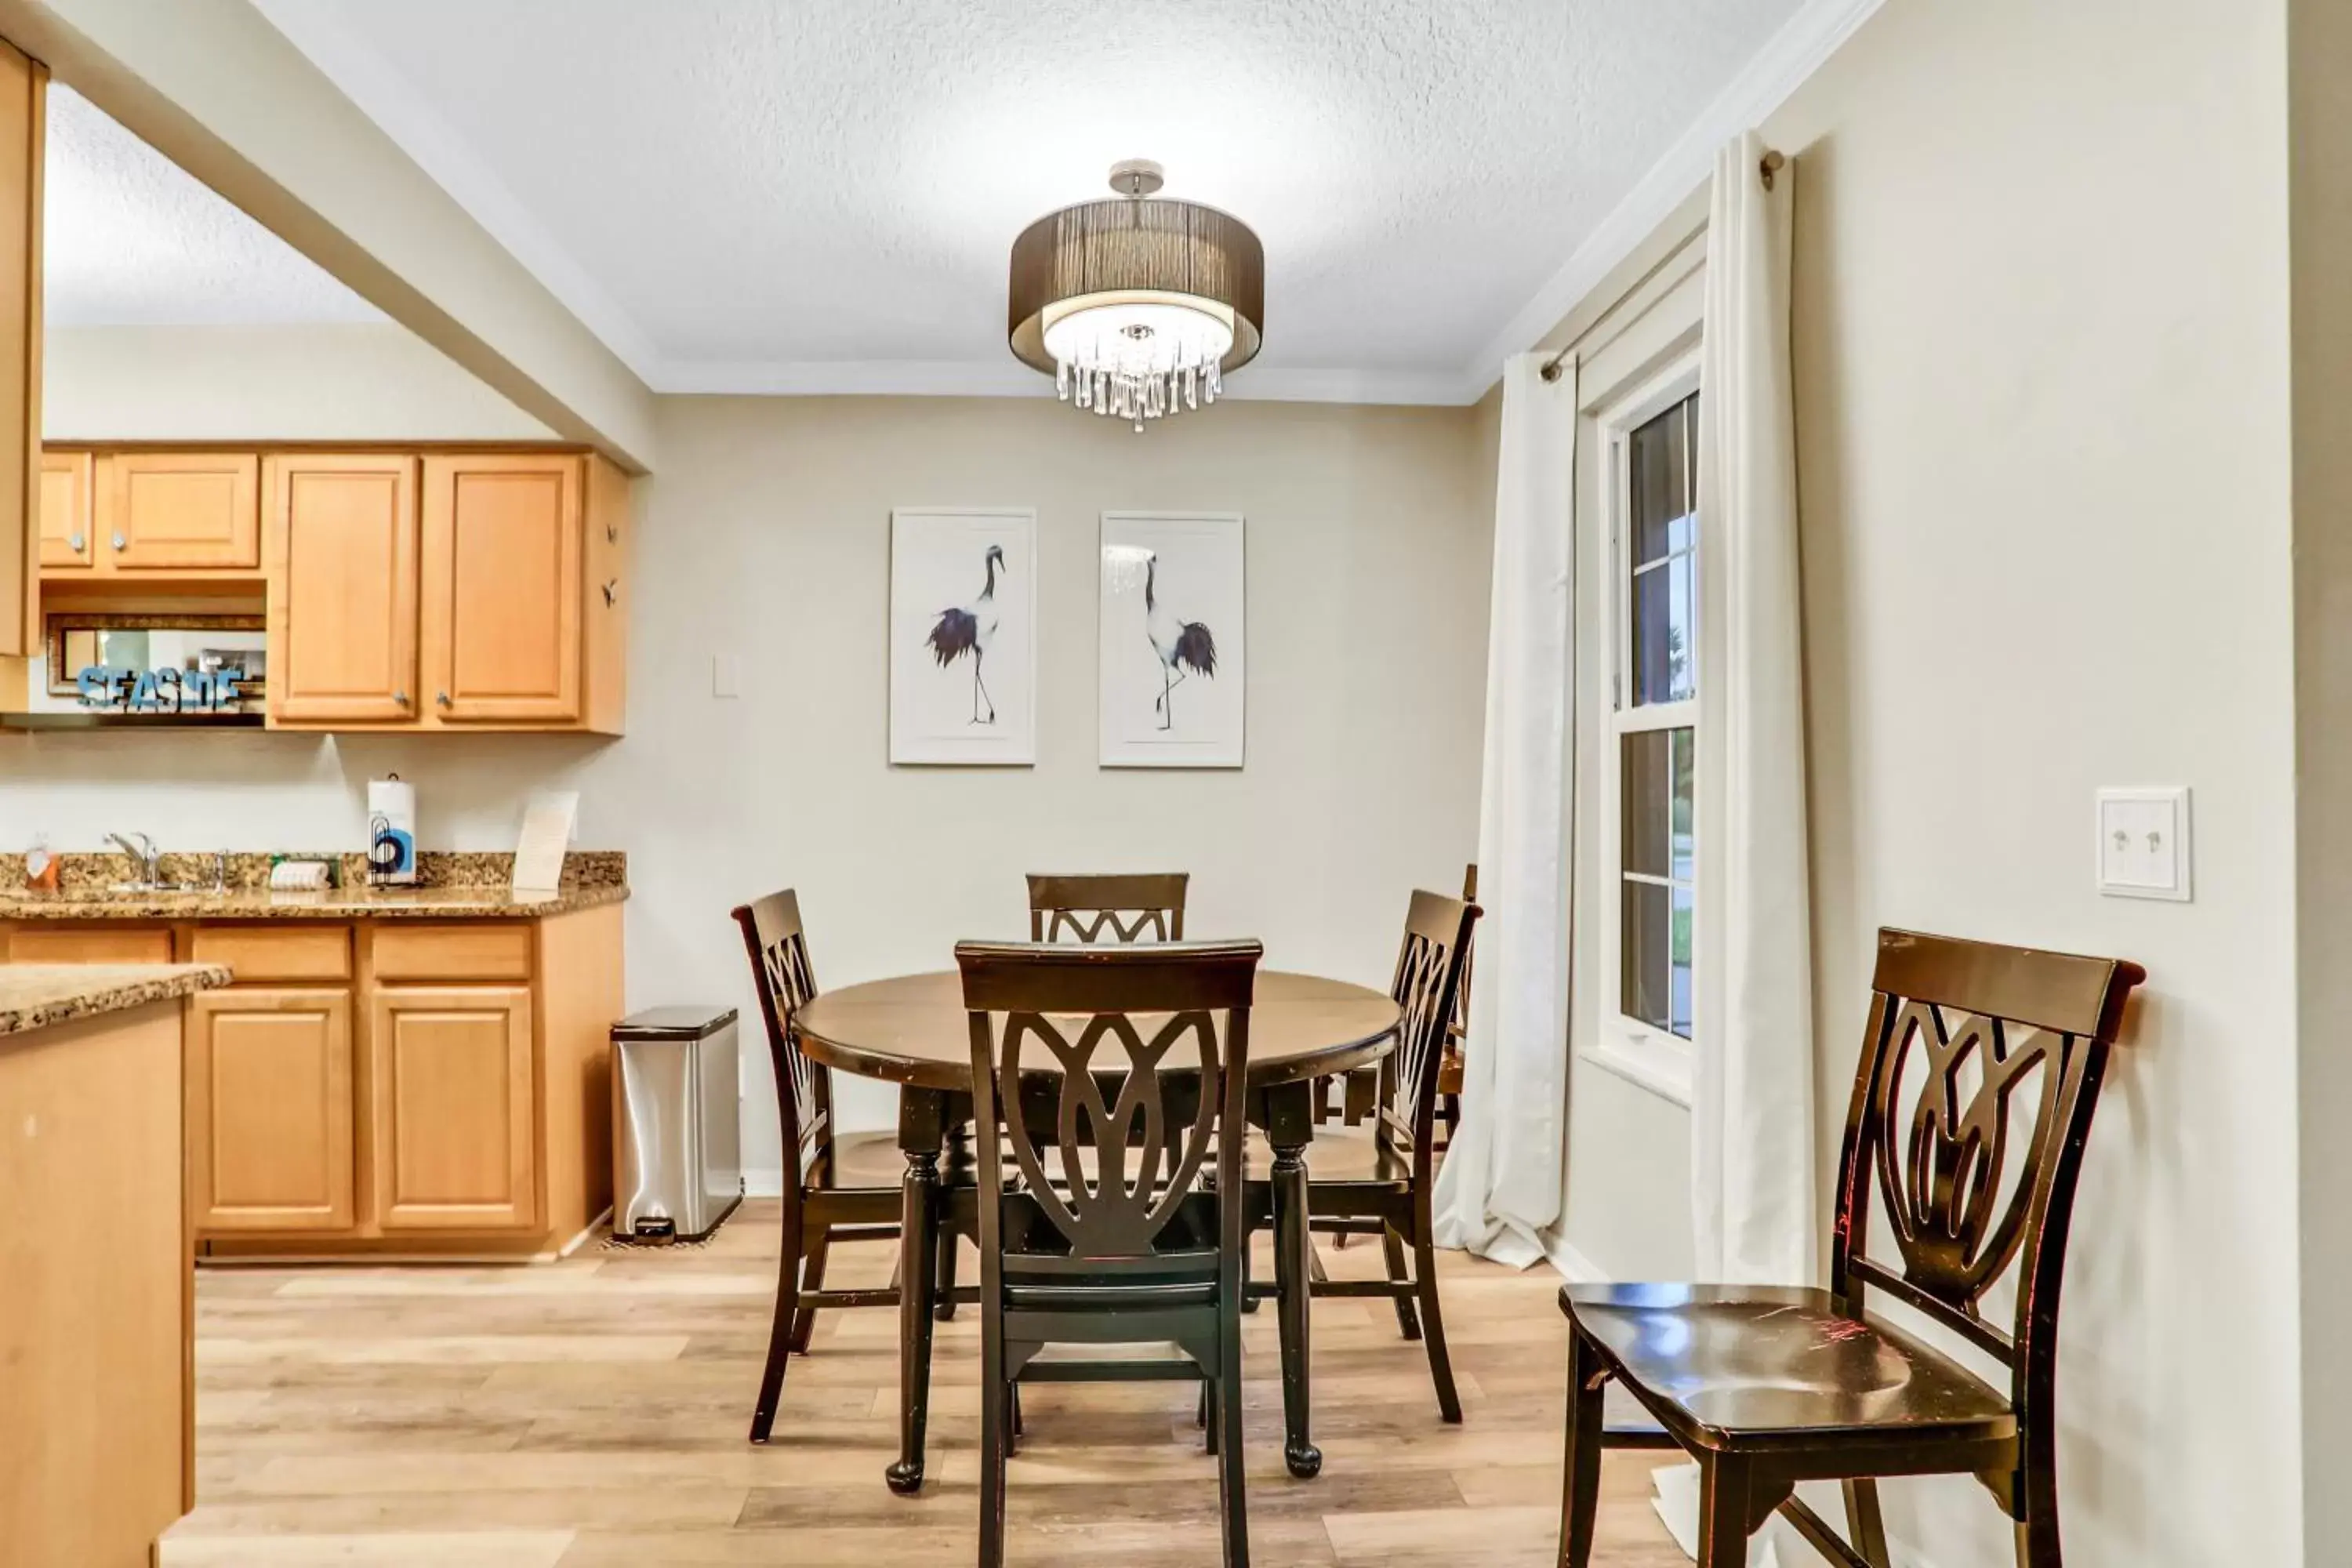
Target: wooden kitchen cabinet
270	1120
24	115
453	1108
342	589
108	943
179	511
66	525
503	581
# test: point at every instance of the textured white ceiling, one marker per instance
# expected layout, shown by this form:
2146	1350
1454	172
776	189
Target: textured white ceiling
821	193
130	238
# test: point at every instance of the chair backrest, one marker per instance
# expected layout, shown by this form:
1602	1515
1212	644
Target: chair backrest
1133	907
785	981
1162	1029
1964	1036
1430	961
1457	1029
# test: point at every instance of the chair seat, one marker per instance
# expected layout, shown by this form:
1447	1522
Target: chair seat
1748	1368
1339	1154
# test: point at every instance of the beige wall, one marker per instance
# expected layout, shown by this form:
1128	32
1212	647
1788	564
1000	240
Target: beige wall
2042	377
344	382
766	535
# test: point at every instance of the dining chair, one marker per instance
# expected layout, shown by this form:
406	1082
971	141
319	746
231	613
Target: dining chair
1768	1386
1378	1181
836	1187
1130	1245
1457	1029
1132	907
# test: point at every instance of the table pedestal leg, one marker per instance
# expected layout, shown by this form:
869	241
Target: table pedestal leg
1291	1275
919	1254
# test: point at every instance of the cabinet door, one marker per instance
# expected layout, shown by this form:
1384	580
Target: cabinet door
503	588
35	942
269	1111
453	1108
64	511
342	589
178	511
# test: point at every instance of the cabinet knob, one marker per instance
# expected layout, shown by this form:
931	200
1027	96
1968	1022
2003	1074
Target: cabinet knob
442	698
121	543
613	592
80	542
401	698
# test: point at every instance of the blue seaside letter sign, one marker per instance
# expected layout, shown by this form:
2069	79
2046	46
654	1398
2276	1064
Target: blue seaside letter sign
111	688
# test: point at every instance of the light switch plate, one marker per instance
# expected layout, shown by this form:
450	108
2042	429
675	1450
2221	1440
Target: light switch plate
2144	842
726	676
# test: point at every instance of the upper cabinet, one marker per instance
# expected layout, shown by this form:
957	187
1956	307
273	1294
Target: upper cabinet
342	589
66	512
24	111
477	591
179	511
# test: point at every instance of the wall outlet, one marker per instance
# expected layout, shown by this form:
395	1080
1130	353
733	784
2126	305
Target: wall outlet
2144	842
726	676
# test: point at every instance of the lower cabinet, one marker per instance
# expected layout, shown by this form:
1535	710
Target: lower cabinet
270	1109
452	1088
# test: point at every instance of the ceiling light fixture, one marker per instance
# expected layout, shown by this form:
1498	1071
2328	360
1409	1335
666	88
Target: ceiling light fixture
1136	307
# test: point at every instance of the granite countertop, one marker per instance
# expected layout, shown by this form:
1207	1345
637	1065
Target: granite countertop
450	887
329	904
36	995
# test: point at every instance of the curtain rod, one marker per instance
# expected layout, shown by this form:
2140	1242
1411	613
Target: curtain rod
1771	164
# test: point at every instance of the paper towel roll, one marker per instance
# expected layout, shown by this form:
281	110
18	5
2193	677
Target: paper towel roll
391	831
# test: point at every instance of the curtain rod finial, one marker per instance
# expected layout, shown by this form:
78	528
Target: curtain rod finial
1773	163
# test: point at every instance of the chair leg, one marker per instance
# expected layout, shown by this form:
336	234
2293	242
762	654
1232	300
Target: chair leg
1232	1492
1723	1513
1393	1246
804	1321
945	1311
781	1327
1432	1325
995	1438
1211	1419
1580	1492
1864	1528
2037	1532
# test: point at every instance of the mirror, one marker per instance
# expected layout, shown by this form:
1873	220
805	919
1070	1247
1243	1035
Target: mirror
184	654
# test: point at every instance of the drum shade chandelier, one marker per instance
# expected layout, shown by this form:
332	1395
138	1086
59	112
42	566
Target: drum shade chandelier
1136	307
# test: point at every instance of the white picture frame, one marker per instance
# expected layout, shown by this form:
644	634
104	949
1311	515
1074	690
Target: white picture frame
1173	677
963	685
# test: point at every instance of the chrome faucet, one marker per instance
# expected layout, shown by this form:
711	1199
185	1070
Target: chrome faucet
144	857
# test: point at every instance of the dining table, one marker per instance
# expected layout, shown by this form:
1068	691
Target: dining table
914	1031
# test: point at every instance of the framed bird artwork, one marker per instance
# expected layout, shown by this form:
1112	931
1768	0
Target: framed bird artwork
1174	649
963	637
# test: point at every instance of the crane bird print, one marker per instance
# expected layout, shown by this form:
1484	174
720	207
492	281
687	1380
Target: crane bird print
970	628
1185	648
1173	697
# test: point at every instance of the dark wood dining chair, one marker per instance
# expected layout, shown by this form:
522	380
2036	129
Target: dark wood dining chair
1130	1245
1457	1029
836	1187
1768	1386
1378	1181
1132	907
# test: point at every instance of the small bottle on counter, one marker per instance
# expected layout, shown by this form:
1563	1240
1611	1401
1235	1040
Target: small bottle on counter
41	866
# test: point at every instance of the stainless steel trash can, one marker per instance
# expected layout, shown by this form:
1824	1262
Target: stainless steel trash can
677	1163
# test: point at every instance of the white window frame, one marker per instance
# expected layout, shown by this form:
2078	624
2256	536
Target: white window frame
1655	1059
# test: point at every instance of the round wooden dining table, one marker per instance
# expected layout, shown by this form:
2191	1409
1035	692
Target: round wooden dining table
913	1031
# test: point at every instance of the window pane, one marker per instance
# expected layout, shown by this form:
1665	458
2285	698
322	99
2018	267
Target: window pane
1661	484
1645	819
1678	978
1664	599
1643	986
1682	810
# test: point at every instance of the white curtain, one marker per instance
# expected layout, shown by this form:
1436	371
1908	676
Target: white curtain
1500	1185
1752	1111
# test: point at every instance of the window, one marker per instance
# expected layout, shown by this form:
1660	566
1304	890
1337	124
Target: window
1652	498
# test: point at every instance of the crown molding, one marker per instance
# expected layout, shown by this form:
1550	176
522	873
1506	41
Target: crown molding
991	378
1794	53
388	97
